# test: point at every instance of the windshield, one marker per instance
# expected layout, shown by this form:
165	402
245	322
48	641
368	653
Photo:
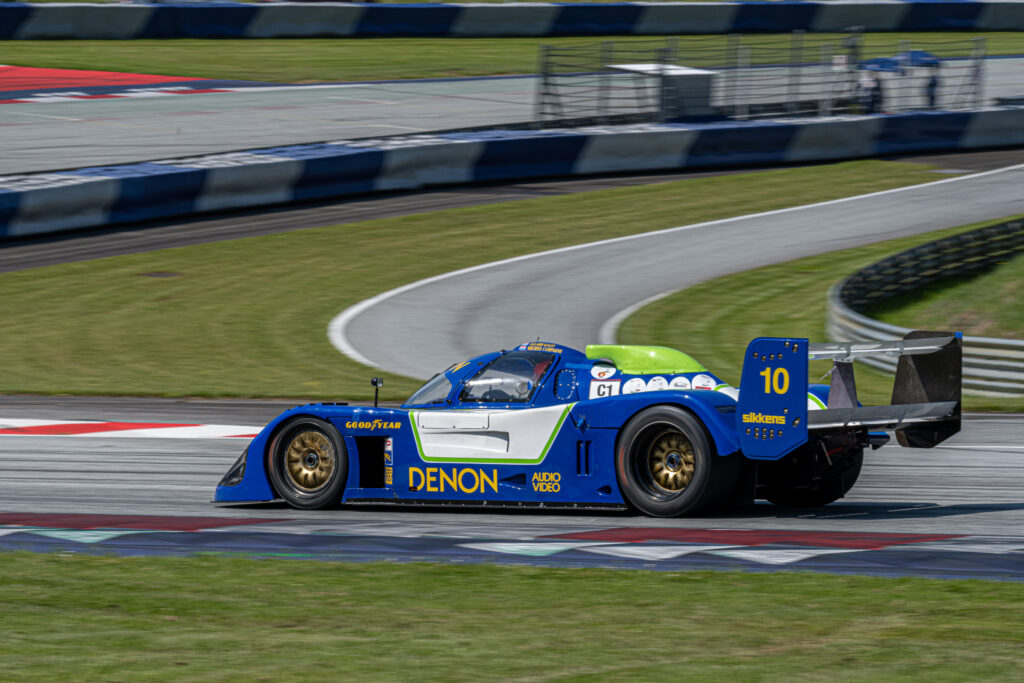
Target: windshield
511	378
436	390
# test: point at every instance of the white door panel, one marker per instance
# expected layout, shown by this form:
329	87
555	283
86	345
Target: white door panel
509	436
452	419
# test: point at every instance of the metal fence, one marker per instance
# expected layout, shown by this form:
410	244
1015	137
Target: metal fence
579	82
761	76
991	366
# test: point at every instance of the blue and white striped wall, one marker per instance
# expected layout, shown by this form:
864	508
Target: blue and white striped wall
48	202
273	20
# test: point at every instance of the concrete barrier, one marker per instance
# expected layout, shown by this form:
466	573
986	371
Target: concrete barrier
303	20
47	202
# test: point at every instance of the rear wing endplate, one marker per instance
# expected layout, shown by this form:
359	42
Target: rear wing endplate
774	416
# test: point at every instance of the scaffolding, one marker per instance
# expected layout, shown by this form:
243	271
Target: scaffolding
795	75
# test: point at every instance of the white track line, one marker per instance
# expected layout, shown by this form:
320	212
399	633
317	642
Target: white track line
121	430
337	328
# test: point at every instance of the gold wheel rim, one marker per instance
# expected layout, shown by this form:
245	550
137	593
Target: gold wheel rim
671	461
309	460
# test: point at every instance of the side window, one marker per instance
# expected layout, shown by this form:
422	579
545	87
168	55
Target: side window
434	391
509	378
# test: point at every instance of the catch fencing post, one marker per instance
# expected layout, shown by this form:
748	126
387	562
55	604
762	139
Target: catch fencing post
978	72
604	88
733	57
905	90
796	49
742	61
825	103
542	83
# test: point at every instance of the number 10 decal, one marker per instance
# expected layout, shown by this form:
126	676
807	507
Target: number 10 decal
777	381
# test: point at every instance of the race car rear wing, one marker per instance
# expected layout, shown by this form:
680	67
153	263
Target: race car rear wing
774	417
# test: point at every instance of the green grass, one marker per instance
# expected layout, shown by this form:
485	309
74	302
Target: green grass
716	319
248	317
986	305
314	60
202	619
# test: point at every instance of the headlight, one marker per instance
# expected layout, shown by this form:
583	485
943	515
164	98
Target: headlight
237	472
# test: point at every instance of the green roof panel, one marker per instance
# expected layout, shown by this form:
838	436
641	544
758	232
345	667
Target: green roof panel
645	360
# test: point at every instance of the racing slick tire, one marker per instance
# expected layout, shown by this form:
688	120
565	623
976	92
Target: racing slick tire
666	465
308	463
834	483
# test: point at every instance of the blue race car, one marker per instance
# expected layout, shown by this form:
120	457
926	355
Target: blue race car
646	427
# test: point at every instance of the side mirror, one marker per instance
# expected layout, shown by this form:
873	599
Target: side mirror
376	383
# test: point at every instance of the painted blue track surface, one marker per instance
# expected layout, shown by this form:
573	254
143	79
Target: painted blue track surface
664	549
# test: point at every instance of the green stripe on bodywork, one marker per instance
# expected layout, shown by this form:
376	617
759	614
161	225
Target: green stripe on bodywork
816	401
492	461
415	432
554	432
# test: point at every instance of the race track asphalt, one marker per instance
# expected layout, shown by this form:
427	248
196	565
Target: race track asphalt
968	490
73	494
54	135
953	511
61	135
576	296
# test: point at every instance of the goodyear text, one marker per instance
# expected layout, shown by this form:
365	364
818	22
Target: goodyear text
441	480
372	426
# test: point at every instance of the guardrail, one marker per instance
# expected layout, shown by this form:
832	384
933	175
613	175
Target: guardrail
992	367
301	20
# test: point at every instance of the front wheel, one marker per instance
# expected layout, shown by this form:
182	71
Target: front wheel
666	466
308	463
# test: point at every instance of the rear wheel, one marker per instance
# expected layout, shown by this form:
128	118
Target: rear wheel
834	477
308	463
666	466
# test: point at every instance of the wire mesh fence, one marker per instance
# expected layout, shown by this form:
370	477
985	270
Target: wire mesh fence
792	75
580	82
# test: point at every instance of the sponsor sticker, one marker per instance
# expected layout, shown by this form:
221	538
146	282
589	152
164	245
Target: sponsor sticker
657	384
565	384
634	386
389	451
372	426
703	381
679	383
547	482
760	418
602	371
446	480
546	347
604	389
